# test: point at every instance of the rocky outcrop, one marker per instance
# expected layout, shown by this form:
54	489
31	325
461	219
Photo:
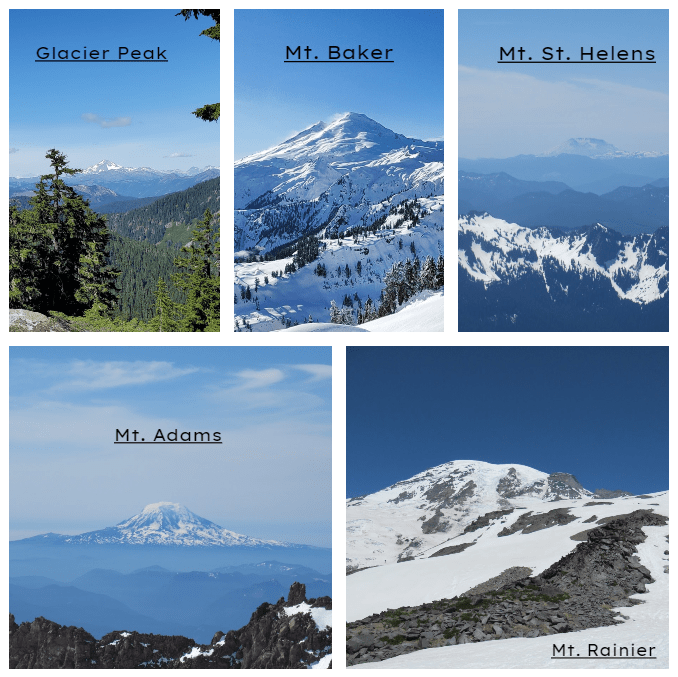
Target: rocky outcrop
528	522
29	320
606	493
281	635
579	591
486	519
452	549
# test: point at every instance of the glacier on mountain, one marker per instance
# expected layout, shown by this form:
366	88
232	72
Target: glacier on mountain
329	181
163	523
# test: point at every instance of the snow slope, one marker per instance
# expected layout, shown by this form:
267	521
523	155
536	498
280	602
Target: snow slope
297	295
421	313
424	580
635	267
328	180
647	623
401	520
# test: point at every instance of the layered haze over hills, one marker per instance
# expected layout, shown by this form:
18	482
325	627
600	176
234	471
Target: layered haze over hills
356	195
578	261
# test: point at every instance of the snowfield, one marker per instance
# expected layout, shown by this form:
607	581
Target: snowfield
381	525
501	251
390	586
424	312
647	626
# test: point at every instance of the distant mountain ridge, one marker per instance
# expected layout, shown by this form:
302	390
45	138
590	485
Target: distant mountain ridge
628	210
596	148
128	181
513	278
161	524
579	162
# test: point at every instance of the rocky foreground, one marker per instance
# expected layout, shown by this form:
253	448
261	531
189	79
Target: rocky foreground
280	635
579	591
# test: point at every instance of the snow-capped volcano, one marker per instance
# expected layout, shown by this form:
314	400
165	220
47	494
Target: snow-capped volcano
349	187
595	148
164	524
369	157
414	517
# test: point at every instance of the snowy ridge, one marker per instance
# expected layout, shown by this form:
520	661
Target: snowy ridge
635	267
417	516
109	167
167	524
424	580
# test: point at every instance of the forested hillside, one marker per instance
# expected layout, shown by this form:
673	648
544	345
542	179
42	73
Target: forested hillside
141	265
150	222
154	268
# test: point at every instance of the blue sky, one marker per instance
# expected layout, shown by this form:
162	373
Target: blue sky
136	114
275	100
506	110
599	413
271	477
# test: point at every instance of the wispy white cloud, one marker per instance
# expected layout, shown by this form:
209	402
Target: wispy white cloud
107	122
13	150
317	371
91	375
252	378
178	155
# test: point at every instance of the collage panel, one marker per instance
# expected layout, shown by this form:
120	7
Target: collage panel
114	170
170	507
508	508
339	170
563	170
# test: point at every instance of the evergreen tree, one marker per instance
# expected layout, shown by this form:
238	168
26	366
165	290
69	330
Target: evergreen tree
200	279
335	313
165	318
440	272
211	111
58	249
428	274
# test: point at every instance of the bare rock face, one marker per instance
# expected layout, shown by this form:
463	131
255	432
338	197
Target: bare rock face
275	637
29	320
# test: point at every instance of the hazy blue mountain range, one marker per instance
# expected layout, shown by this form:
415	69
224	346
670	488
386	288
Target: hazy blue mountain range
127	181
604	171
154	599
165	570
628	210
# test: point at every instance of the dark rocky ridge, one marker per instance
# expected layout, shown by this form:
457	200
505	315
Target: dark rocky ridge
529	523
270	640
577	592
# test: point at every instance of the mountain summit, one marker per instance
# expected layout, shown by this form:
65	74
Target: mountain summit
596	148
163	524
413	517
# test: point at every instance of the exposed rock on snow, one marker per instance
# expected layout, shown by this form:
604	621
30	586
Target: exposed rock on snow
579	591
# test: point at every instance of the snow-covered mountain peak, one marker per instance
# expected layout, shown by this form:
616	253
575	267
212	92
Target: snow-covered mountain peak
439	504
103	166
165	523
583	146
